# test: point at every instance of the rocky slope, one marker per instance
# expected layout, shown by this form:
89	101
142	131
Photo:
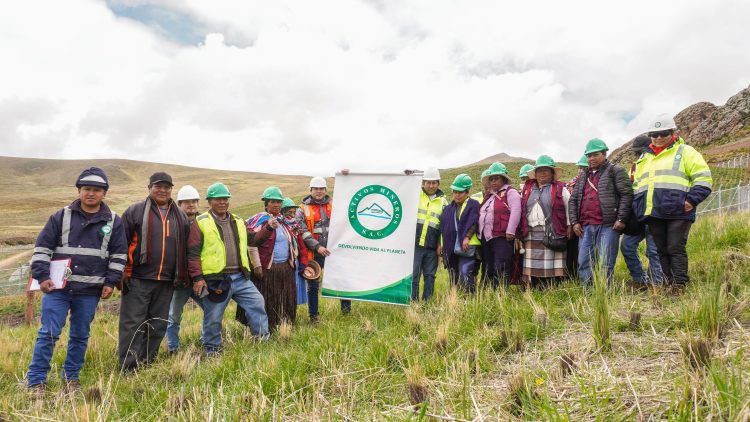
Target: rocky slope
717	131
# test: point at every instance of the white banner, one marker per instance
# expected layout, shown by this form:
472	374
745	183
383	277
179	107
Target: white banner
371	237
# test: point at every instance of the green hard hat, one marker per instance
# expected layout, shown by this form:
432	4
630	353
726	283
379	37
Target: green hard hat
496	169
288	203
545	161
595	145
525	169
485	173
583	162
272	192
218	190
462	183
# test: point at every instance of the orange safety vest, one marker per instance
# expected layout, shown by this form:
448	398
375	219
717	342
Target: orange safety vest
312	214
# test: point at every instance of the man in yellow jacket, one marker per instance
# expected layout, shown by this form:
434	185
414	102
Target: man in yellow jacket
671	178
431	203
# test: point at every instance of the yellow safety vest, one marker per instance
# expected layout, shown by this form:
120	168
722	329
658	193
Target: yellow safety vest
473	240
428	219
662	183
214	254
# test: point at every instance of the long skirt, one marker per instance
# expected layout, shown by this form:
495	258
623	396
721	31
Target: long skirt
540	261
301	287
279	290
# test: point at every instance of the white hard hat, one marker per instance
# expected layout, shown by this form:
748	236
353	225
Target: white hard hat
431	174
187	192
318	182
662	122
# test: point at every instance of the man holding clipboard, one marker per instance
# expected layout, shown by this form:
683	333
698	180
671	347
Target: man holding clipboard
90	237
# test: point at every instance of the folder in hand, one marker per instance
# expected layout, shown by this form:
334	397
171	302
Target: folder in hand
59	271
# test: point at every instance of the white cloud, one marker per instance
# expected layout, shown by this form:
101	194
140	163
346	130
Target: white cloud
311	87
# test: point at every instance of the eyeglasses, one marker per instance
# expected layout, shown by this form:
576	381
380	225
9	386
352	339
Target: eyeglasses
660	134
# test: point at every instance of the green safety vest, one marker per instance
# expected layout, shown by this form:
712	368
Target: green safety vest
214	254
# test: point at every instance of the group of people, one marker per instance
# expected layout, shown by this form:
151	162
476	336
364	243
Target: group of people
546	230
161	253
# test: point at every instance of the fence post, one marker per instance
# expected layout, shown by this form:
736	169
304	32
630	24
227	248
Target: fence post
28	316
718	197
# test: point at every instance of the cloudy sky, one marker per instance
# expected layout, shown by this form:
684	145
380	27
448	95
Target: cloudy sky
307	87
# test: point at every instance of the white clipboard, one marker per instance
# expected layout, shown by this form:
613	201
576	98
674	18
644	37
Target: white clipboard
59	271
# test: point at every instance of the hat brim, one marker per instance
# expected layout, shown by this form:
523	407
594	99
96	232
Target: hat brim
162	181
556	170
312	271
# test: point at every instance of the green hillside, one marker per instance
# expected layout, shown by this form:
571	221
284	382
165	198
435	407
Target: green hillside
499	355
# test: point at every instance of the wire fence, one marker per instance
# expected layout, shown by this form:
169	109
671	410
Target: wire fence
13	281
726	200
736	162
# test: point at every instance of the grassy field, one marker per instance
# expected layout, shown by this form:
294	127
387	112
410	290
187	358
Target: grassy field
567	353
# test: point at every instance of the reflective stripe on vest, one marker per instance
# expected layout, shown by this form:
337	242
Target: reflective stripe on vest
669	171
66	249
214	254
428	214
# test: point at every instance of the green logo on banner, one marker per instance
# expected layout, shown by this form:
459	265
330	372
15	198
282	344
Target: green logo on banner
375	212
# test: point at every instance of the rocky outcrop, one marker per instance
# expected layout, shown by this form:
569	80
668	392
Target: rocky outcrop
704	125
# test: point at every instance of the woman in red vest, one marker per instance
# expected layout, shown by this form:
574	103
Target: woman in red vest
544	224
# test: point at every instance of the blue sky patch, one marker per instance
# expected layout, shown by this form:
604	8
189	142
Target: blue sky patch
174	25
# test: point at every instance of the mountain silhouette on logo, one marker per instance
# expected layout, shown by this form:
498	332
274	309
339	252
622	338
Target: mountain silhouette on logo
374	210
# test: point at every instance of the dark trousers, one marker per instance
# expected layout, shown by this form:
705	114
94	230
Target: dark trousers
462	272
144	313
497	255
671	237
425	262
313	287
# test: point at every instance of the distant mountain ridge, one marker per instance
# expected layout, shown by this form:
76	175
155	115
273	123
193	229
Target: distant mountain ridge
502	158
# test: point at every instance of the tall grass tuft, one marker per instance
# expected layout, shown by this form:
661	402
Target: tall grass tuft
416	382
521	394
285	331
441	337
567	364
635	321
696	351
601	318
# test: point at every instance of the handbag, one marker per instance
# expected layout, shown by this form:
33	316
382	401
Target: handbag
551	240
457	245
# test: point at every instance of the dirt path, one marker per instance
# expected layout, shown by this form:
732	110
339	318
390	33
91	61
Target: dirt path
723	149
13	259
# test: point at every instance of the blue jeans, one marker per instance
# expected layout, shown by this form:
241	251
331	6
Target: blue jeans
629	249
179	299
244	292
425	261
55	307
598	246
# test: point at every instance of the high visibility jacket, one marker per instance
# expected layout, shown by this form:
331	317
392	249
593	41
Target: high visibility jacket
662	183
428	219
95	245
314	218
213	252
